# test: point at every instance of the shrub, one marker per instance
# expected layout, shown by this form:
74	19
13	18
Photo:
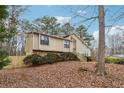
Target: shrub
4	60
68	56
33	59
36	59
114	60
52	58
90	59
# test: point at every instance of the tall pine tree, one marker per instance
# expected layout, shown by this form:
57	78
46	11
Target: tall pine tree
3	35
3	16
81	31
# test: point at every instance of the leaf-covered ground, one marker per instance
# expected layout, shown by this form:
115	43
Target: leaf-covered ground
63	74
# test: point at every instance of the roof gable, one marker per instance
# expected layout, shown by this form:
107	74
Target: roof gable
78	39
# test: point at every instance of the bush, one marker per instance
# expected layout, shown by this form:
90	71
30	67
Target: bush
36	59
50	58
54	57
90	59
114	60
33	59
4	60
68	56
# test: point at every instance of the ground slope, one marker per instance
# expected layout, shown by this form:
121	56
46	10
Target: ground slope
62	74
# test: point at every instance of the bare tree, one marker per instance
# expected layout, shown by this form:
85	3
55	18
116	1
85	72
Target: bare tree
101	48
15	12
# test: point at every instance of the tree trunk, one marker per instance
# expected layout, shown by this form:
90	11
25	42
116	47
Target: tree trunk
101	48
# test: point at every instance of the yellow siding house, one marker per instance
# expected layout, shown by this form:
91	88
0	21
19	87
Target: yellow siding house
42	43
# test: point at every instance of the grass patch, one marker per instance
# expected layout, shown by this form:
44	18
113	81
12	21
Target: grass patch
114	60
16	61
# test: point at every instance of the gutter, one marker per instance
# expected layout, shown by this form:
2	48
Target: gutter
33	42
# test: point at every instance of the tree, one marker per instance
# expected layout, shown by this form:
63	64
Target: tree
67	29
13	26
4	60
82	32
115	41
101	48
47	24
3	16
3	12
89	20
27	26
3	36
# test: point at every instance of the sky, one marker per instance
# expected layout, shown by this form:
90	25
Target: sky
75	14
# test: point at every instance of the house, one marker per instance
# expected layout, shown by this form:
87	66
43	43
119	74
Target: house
41	43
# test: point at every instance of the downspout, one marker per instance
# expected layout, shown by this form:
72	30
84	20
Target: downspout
70	47
39	42
33	42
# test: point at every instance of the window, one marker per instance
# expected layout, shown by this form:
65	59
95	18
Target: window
66	44
44	40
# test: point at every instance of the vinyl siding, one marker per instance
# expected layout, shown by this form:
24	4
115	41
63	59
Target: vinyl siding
29	44
80	47
55	44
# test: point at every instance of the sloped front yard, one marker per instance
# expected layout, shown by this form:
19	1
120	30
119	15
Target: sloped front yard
62	74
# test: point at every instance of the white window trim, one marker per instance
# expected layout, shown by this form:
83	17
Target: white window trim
43	37
67	42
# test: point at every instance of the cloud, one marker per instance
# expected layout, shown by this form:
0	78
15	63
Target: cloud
62	20
80	12
95	34
114	31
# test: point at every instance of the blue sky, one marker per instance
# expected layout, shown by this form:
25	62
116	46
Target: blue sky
64	13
